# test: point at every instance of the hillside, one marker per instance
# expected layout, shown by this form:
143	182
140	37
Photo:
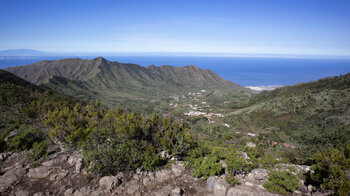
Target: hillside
122	85
311	116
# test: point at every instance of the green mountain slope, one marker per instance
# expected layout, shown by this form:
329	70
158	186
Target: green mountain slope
23	105
312	116
122	85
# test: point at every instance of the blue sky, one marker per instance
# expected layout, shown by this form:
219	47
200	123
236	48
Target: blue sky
315	27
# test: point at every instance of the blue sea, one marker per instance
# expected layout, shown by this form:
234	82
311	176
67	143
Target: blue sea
245	71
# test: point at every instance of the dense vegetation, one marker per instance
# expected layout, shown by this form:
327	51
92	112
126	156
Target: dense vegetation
22	108
114	141
312	116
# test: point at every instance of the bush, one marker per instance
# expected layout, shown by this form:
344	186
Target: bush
281	181
108	159
151	159
236	162
114	141
329	170
38	151
208	166
232	180
25	138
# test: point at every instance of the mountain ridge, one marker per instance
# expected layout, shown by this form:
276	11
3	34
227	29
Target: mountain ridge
118	83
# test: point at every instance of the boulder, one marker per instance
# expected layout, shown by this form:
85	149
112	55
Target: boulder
50	163
258	176
163	175
235	191
299	168
78	193
108	183
220	187
177	192
211	182
132	188
146	181
69	192
39	172
248	190
22	193
75	158
178	169
39	194
8	179
79	165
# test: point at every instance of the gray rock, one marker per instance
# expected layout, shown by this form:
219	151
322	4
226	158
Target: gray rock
132	188
318	193
50	163
8	179
251	145
78	193
39	172
85	190
161	193
75	158
178	169
3	156
146	181
220	188
97	193
108	183
69	192
223	163
39	194
164	154
211	182
309	188
244	155
12	133
22	193
79	166
163	175
300	168
258	176
176	191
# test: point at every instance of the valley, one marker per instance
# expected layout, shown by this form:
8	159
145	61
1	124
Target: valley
124	129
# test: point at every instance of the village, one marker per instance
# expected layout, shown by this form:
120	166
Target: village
195	105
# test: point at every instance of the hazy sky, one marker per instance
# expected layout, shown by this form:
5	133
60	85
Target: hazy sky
260	26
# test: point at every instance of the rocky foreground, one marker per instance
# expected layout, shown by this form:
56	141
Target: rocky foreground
62	173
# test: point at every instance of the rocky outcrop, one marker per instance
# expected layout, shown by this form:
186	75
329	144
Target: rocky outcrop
62	173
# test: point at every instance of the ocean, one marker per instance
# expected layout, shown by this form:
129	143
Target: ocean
245	71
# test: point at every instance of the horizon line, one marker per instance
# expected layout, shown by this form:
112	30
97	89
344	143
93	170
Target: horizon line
197	54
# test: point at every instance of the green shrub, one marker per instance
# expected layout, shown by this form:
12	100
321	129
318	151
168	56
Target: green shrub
151	159
38	151
108	159
232	180
25	138
208	166
235	162
268	161
281	181
113	140
329	170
